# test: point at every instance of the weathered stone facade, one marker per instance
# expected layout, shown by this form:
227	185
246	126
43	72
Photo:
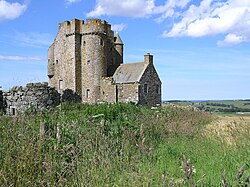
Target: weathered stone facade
35	96
81	54
88	59
1	101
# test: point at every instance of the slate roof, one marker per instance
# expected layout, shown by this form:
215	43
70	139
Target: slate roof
131	72
118	39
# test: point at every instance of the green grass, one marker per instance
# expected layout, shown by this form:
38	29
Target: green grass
225	107
113	145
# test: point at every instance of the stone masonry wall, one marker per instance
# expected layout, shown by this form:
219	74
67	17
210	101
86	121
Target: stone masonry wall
108	90
1	101
151	95
128	92
36	96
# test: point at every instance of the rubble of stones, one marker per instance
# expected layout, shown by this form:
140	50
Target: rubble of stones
33	97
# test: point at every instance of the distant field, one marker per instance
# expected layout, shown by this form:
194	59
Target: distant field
223	107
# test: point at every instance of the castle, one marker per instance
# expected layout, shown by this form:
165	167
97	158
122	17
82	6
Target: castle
88	59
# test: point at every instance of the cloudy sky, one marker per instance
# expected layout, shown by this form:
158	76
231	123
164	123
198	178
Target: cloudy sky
201	47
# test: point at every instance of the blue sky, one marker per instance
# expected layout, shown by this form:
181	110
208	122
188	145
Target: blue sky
201	47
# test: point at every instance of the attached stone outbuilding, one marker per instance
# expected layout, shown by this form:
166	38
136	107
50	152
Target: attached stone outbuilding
134	82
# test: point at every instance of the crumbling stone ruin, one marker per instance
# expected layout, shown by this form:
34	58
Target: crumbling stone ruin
34	97
87	58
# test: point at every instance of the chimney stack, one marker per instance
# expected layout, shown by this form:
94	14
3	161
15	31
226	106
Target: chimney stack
148	58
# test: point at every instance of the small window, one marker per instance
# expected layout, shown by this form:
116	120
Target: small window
88	61
157	89
87	93
101	42
13	111
84	42
103	93
60	84
146	88
56	61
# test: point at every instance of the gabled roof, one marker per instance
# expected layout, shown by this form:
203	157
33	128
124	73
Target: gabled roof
131	72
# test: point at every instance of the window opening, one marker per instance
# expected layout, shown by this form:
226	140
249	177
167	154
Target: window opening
87	93
157	89
60	84
13	111
146	88
101	42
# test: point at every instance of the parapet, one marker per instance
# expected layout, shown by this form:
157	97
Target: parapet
92	26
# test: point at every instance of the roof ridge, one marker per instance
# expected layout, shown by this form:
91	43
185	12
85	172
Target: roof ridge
134	63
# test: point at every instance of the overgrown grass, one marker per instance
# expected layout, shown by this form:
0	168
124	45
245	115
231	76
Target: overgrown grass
113	145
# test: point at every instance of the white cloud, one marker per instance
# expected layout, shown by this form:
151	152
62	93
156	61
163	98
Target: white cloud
34	39
169	9
231	39
135	8
10	11
20	58
118	27
212	17
69	2
190	19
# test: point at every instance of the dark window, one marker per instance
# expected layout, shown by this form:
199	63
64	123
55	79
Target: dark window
56	61
13	111
84	42
145	88
87	93
157	89
101	42
88	62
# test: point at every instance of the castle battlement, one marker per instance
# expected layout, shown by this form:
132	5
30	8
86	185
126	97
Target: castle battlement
92	26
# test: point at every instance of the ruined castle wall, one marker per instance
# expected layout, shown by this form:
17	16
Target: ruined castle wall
108	90
128	92
35	96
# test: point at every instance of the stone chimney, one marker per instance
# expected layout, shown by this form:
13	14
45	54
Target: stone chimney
148	58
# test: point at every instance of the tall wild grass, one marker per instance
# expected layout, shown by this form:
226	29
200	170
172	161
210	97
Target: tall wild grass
113	145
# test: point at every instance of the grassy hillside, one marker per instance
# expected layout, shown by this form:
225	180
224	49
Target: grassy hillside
120	145
217	106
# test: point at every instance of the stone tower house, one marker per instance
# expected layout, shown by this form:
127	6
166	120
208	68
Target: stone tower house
88	59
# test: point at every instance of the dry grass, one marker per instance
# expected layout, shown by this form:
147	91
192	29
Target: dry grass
229	129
